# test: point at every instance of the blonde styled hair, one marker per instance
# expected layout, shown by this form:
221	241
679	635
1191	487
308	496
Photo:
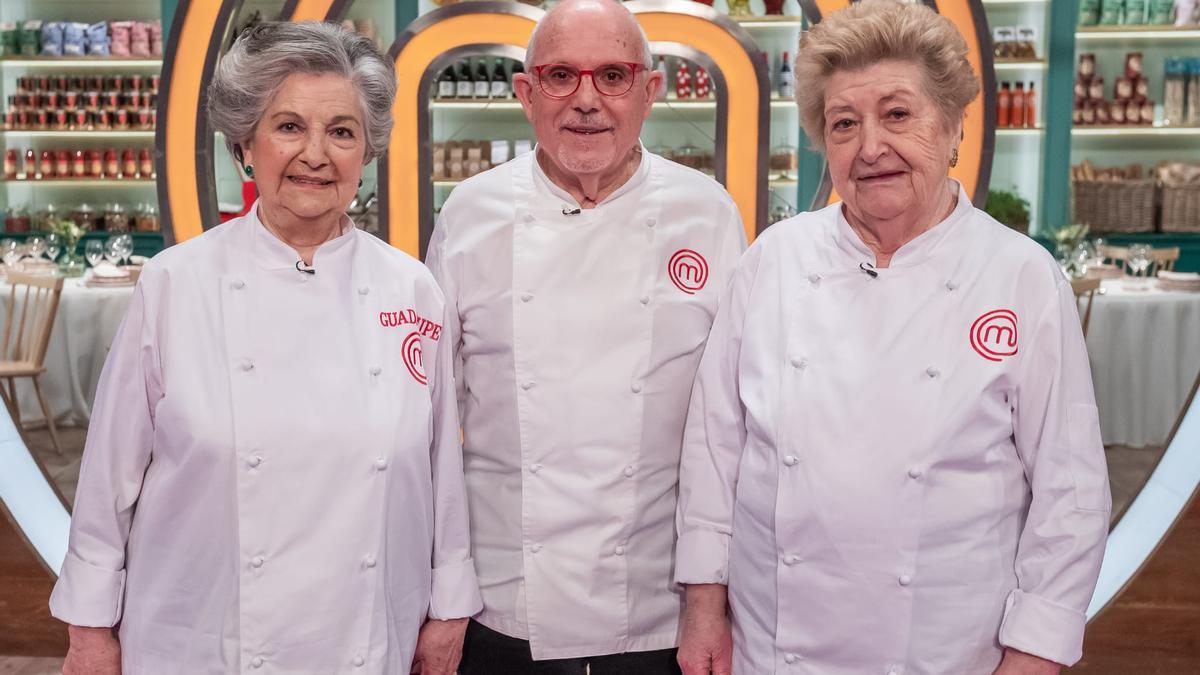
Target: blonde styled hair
871	31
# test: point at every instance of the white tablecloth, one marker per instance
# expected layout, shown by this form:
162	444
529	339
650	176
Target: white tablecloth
1145	353
84	329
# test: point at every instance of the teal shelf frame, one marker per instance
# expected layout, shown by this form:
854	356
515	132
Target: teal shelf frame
1058	98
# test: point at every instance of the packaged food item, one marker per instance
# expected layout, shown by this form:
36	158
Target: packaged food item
120	37
1135	13
1193	92
52	38
98	42
112	164
10	164
115	218
146	219
95	161
1123	90
1111	12
1089	12
1133	65
145	163
1160	12
74	39
1175	85
1096	89
46	165
129	166
79	167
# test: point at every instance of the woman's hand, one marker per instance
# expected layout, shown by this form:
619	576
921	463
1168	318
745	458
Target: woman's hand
93	651
1019	663
439	647
706	642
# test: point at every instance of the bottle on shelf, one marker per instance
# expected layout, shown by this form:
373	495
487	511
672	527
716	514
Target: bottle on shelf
483	81
500	85
463	87
1016	115
787	81
703	85
1003	106
661	67
683	80
1030	108
446	83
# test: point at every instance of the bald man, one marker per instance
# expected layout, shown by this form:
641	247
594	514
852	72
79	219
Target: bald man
581	282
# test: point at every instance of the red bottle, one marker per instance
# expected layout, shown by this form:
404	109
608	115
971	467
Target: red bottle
683	81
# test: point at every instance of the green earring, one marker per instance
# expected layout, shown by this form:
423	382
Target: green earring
249	169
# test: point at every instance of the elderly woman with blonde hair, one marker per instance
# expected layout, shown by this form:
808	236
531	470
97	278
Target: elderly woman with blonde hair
272	481
892	461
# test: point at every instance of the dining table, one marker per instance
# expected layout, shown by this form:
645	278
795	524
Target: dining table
84	327
1144	345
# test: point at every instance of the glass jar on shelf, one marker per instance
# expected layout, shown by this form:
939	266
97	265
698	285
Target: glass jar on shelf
116	220
84	217
784	162
16	219
146	218
45	219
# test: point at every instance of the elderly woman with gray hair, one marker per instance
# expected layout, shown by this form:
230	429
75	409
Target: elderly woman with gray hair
892	461
272	480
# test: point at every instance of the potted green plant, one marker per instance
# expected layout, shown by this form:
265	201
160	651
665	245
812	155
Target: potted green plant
71	264
1009	208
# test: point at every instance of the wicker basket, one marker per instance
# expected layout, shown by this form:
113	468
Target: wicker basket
1114	205
1181	208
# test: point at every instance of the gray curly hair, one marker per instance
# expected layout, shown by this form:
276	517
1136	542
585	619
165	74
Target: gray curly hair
264	56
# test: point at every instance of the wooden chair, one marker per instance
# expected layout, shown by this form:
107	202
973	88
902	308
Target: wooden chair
1160	258
32	306
1085	289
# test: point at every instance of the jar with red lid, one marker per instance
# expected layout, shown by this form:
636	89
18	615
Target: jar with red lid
10	164
62	162
79	167
30	164
112	164
95	162
146	163
46	165
129	167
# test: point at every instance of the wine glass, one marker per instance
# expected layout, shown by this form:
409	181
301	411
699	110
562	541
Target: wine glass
94	252
124	246
1139	259
53	246
10	250
37	246
112	250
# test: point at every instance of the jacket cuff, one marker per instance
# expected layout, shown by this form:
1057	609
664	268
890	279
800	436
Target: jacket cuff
1035	625
455	593
702	557
86	595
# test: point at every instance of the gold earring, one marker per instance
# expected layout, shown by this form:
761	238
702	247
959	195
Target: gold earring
954	158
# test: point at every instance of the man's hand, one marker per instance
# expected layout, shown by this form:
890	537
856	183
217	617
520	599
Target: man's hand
1020	663
439	647
93	651
706	642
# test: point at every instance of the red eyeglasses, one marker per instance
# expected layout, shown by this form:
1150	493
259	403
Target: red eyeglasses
559	80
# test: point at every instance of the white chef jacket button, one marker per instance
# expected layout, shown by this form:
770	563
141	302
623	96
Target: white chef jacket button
247	365
527	385
363	290
798	362
257	561
526	297
791	460
905	579
535	548
369	561
238	284
254	461
914	472
636	387
791	559
651	221
791	658
645	299
359	661
375	370
256	662
534	468
619	550
932	372
950	285
814	278
380	464
629	471
529	217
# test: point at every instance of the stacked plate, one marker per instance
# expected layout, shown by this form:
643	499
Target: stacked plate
1104	271
1178	281
108	274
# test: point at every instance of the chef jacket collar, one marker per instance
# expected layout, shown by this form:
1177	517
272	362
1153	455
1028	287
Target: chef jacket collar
543	183
913	252
272	253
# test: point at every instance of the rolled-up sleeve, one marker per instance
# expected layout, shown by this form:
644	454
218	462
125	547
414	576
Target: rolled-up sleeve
1057	434
713	440
91	585
455	593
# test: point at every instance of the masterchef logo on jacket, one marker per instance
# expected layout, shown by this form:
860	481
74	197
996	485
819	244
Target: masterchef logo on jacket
410	318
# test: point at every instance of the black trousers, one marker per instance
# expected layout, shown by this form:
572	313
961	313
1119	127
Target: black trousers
486	652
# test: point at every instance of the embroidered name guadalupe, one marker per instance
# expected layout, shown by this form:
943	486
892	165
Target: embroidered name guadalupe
409	317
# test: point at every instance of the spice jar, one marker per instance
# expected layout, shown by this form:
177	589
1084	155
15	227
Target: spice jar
10	164
62	162
95	163
112	165
79	167
84	217
129	167
145	163
46	165
115	219
30	164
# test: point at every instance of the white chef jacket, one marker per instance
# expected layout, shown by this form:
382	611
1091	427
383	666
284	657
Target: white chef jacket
578	338
272	481
900	474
